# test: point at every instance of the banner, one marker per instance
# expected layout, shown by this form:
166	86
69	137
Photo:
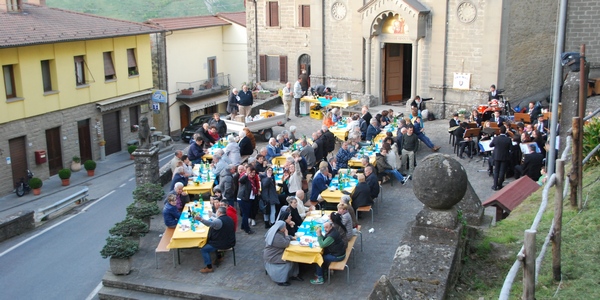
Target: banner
462	81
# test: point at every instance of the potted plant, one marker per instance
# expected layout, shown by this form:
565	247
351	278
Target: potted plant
130	228
90	166
76	164
131	149
120	250
143	210
461	113
36	185
65	175
102	143
149	192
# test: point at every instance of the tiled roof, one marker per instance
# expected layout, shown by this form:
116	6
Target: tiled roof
43	25
188	22
237	17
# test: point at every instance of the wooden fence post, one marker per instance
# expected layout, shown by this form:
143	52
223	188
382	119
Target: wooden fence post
558	208
573	176
529	265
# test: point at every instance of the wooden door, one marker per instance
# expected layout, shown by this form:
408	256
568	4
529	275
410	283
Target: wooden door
406	71
212	70
112	132
393	72
18	158
184	116
53	150
85	140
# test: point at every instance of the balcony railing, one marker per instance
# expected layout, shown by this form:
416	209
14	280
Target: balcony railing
203	88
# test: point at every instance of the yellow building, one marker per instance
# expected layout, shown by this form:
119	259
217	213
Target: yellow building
74	85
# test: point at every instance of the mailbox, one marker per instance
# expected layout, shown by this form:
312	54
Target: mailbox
40	157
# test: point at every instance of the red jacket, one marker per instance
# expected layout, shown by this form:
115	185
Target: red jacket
232	213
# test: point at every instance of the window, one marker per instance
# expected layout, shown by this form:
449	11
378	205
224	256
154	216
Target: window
9	81
273	68
132	69
304	16
79	70
272	13
46	76
109	68
134	117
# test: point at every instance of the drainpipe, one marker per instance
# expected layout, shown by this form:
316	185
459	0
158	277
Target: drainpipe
256	41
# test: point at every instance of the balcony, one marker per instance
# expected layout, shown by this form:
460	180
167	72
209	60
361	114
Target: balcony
202	88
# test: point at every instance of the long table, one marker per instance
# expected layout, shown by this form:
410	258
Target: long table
198	186
188	238
334	194
306	254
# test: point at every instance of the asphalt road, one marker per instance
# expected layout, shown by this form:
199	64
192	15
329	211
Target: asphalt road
61	259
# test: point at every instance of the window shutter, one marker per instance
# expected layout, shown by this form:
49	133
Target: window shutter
300	16
109	69
283	69
268	14
263	67
274	13
131	59
305	15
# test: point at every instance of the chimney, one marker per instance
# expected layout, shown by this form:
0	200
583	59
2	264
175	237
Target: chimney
11	6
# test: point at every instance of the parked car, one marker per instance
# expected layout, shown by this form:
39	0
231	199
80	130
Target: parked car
196	123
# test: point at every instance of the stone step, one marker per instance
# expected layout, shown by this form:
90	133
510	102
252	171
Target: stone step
108	293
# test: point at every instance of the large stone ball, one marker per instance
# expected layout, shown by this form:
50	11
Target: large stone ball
439	181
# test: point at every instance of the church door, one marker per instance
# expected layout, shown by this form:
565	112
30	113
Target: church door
397	72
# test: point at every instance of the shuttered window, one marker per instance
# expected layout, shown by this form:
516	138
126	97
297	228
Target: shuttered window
304	16
46	76
79	70
273	68
132	68
272	14
109	68
283	69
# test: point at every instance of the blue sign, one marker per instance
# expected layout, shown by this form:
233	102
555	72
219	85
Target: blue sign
159	96
155	106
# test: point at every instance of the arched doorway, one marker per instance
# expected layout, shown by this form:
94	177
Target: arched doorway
397	65
304	64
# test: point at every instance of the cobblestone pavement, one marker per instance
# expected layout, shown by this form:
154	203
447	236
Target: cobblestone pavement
392	217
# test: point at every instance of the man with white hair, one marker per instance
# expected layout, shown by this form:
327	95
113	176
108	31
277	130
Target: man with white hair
292	135
217	165
373	130
272	150
246	101
308	153
176	159
221	153
288	95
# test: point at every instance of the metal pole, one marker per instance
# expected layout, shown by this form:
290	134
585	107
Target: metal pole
557	83
558	209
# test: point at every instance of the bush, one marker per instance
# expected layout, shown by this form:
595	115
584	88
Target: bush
89	165
148	192
118	247
129	227
76	159
591	138
131	148
35	183
141	210
64	174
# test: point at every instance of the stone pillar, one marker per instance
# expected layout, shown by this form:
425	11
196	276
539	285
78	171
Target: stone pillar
368	66
146	165
415	70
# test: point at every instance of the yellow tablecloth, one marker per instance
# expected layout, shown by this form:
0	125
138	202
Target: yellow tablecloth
205	187
356	163
280	160
340	133
189	238
305	254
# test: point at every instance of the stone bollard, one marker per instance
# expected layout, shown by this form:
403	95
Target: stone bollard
146	165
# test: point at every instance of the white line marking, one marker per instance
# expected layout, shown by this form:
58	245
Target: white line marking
94	292
130	179
96	202
49	228
122	185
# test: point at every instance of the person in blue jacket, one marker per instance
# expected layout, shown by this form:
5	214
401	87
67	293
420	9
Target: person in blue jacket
170	212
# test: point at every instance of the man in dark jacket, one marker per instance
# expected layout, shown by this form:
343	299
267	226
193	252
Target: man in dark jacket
501	156
226	183
221	236
245	145
334	249
371	179
196	152
246	196
219	124
246	101
531	166
319	147
373	130
329	140
361	196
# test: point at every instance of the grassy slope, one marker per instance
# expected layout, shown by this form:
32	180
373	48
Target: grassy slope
486	268
142	10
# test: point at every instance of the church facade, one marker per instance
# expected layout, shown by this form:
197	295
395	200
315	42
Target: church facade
388	51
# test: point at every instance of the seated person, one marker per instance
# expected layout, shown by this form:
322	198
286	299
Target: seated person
170	212
328	119
196	151
373	130
319	184
231	212
465	143
280	271
272	149
336	115
336	220
286	216
221	236
384	167
334	249
344	155
180	195
179	176
342	210
361	196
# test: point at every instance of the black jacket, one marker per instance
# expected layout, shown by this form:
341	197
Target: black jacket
361	195
245	146
532	165
223	238
501	145
245	188
373	184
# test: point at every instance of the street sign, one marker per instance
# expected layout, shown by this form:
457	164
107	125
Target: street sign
159	96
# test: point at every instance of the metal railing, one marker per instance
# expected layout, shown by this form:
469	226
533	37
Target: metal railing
531	268
215	84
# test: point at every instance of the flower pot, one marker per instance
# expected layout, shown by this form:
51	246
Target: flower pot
90	172
66	182
120	266
37	191
131	157
75	167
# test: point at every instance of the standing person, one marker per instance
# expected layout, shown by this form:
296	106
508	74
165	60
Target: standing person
304	82
298	93
246	195
219	124
409	146
245	101
226	183
501	156
493	94
269	196
278	269
288	95
334	249
221	236
232	103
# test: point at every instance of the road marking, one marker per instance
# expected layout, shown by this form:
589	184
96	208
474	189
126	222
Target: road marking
94	292
51	227
132	178
122	185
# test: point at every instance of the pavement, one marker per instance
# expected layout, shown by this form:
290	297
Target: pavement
248	280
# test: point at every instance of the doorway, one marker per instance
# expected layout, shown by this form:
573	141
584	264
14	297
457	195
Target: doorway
212	70
53	152
303	64
18	158
112	132
184	116
397	72
85	140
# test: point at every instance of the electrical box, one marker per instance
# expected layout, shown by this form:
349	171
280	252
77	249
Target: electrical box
40	157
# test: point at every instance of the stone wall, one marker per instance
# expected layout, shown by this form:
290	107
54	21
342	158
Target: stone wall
583	21
16	224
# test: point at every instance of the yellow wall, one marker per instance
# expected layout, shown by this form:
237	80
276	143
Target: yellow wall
28	76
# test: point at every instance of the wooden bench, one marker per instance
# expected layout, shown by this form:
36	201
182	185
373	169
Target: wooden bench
162	245
510	196
367	208
343	264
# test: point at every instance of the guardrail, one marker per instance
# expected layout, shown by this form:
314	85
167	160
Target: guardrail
525	258
43	213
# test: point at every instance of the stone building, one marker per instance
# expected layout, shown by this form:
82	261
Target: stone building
583	19
386	51
74	85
